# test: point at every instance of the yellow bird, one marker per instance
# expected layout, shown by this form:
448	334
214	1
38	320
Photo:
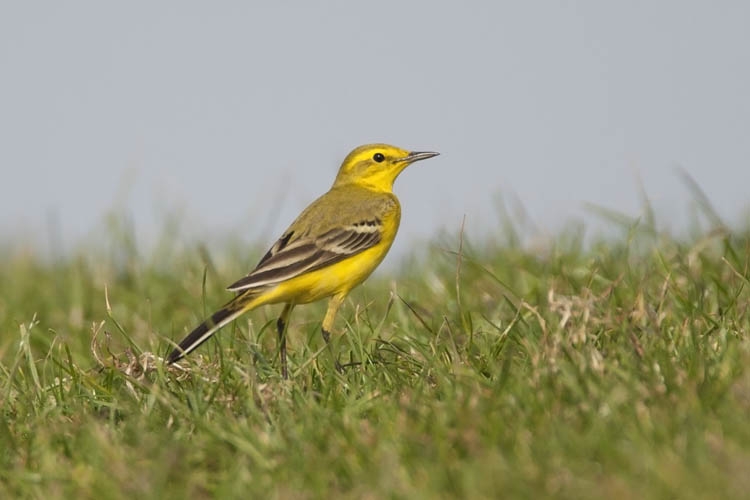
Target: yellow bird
332	246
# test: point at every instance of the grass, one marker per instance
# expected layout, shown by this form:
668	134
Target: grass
616	370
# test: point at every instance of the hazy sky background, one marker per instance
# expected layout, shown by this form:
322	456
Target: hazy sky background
220	110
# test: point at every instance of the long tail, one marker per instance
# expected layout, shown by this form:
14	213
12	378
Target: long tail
231	311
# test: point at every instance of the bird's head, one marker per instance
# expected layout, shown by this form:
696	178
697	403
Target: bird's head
376	166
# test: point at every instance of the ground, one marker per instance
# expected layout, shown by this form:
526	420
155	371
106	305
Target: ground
615	368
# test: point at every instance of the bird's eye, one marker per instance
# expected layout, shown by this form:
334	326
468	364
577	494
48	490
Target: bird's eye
378	157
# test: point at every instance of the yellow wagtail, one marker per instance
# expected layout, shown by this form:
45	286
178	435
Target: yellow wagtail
332	246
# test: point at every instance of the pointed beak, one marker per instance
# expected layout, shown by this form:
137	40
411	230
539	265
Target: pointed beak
418	155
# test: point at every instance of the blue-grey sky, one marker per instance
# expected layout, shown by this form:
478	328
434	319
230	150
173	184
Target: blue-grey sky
226	111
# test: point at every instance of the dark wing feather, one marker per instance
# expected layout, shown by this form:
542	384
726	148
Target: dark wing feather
287	260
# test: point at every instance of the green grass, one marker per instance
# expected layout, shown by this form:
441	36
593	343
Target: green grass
618	370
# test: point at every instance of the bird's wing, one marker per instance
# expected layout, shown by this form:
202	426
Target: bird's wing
290	257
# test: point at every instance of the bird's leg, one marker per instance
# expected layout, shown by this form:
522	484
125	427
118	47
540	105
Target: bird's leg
333	307
281	325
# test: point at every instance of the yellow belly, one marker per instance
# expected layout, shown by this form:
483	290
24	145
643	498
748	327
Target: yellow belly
339	278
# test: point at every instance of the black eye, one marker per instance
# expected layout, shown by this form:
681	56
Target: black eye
378	157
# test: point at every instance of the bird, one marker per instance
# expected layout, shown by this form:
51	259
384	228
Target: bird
330	248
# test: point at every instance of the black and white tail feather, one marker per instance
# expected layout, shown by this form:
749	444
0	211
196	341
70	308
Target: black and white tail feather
203	332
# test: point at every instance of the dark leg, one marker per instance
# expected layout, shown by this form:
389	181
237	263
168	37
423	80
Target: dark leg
333	307
327	338
281	325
